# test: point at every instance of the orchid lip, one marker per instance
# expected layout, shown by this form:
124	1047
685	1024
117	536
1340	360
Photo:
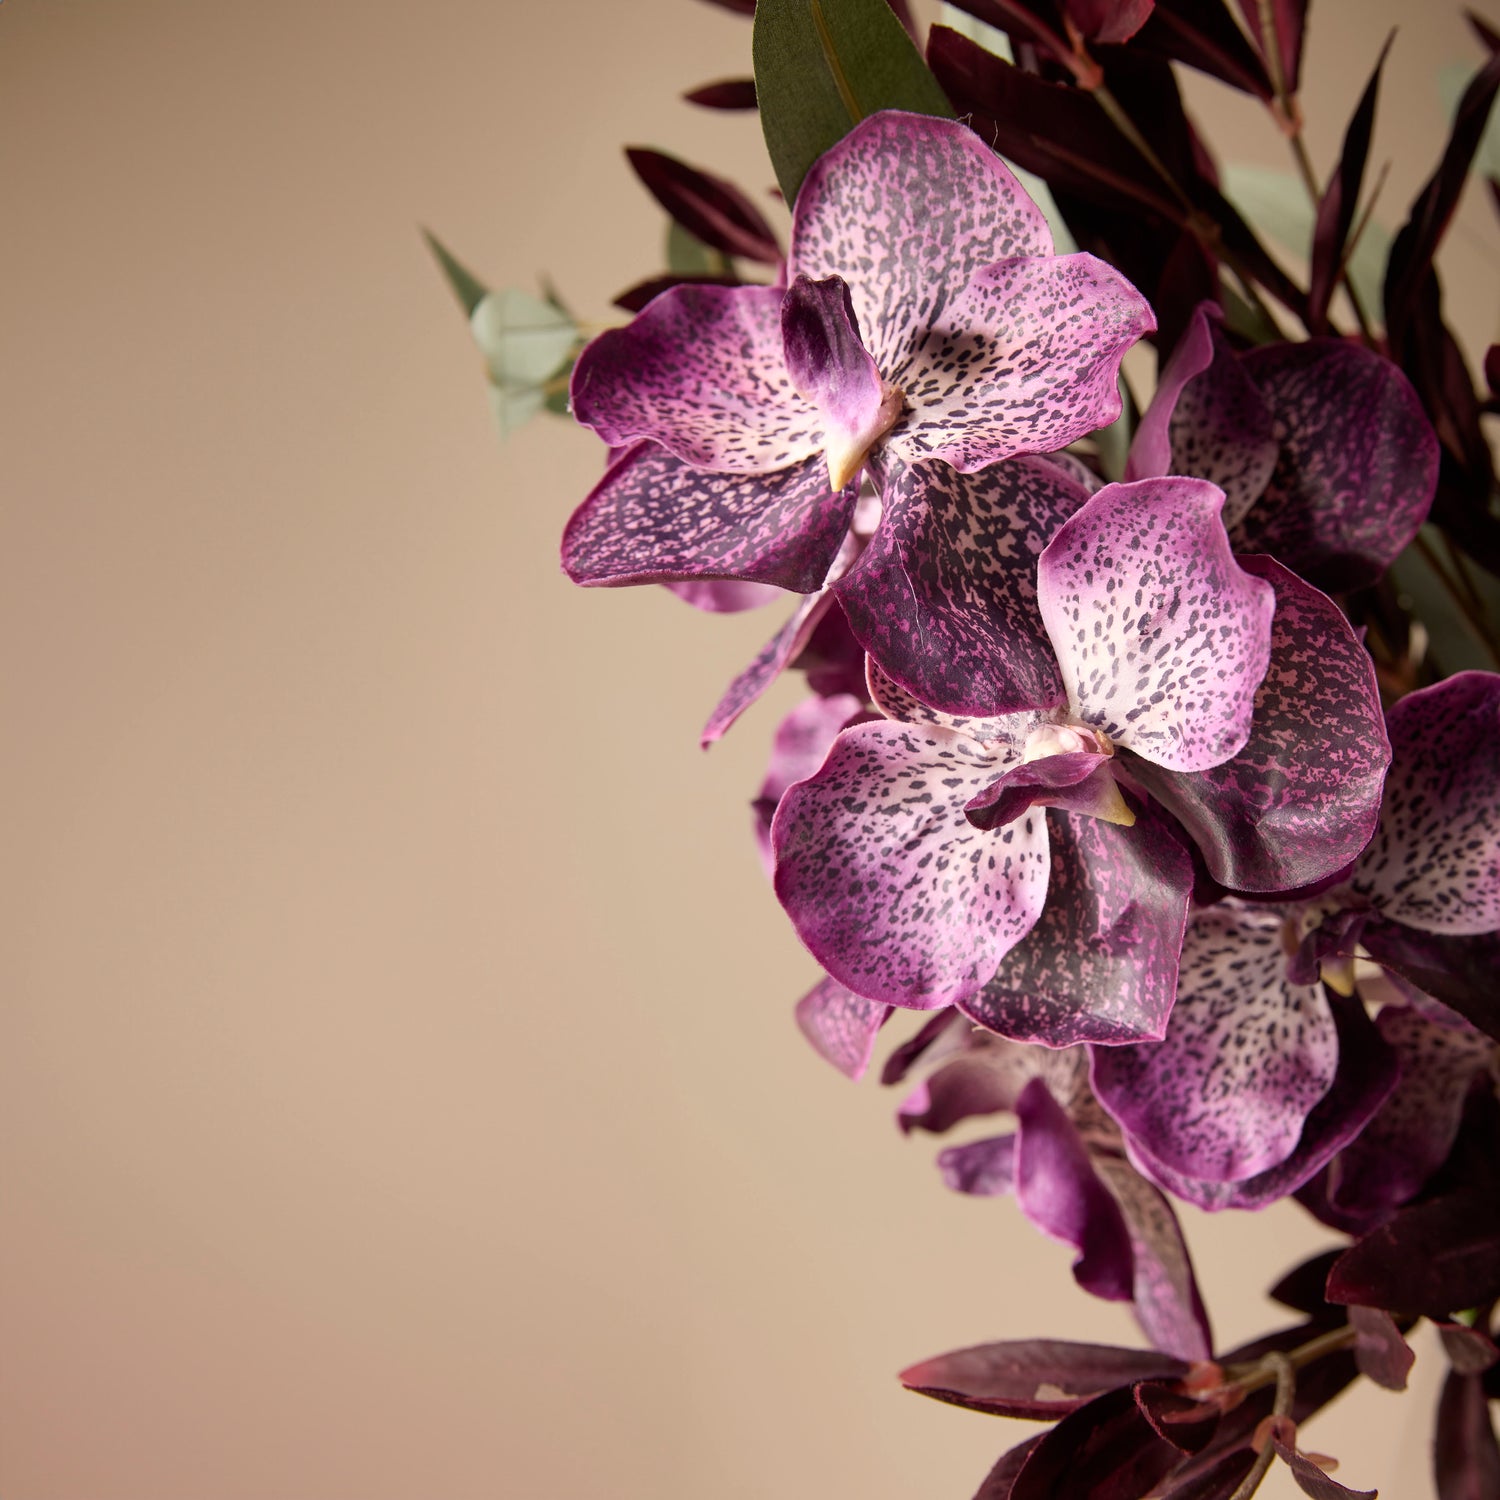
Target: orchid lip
846	452
1065	739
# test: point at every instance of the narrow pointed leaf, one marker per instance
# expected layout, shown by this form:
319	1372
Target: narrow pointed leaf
1288	18
467	287
1465	1452
1203	34
714	210
728	93
821	66
1312	1480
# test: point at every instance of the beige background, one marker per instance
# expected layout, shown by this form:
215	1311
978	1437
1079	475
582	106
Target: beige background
398	1091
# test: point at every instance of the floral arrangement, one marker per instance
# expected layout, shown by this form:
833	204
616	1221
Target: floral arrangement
1151	753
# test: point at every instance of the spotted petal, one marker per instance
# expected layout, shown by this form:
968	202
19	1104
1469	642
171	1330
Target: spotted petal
1302	797
1434	862
1246	1056
1101	963
1161	637
653	518
1357	468
841	1025
886	881
906	208
1207	419
773	659
944	597
700	371
1025	359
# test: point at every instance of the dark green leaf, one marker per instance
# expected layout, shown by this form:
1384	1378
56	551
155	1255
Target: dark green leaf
822	66
467	287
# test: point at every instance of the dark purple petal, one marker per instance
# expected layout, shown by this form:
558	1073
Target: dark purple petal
1465	1452
1009	730
988	1074
1101	964
1036	1378
1469	1351
938	1037
709	208
1358	463
775	657
1165	1295
1207	419
944	597
831	368
999	1482
841	1025
1434	862
701	372
1061	1194
1161	637
1312	1480
886	881
1106	1450
1302	797
640	294
1025	360
1379	1350
803	738
1067	781
653	518
1415	1129
1246	1056
724	596
983	1169
906	208
1456	972
1367	1073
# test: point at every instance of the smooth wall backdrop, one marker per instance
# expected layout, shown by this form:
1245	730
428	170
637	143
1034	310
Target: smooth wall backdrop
399	1098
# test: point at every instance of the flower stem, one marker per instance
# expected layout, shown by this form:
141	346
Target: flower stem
1283	1371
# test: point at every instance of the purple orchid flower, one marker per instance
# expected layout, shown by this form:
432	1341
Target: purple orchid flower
1322	447
918	856
927	324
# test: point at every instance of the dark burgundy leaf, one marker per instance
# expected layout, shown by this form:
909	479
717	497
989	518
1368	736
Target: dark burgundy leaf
1302	1287
740	7
717	212
1417	243
1000	1480
1379	1350
1036	1378
728	93
634	298
1289	18
1340	199
1218	1481
1202	34
1106	1450
1428	1258
1025	22
1465	1454
1470	1351
1492	368
1311	1480
1484	31
1109	20
1182	1421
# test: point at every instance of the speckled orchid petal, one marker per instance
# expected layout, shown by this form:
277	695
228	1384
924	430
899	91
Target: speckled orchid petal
1078	781
775	657
1207	419
841	1025
832	369
1358	462
907	208
653	518
944	597
803	738
724	596
1161	637
1101	963
1366	1075
1415	1128
1246	1056
888	884
965	1088
1061	1194
1165	1293
983	1169
701	371
1434	862
1025	359
1302	797
896	703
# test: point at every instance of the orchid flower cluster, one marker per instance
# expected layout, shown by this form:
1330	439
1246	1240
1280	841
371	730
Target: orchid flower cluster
1143	780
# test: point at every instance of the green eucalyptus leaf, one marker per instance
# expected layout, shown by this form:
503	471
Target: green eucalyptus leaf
524	340
467	287
514	407
687	255
822	66
557	399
